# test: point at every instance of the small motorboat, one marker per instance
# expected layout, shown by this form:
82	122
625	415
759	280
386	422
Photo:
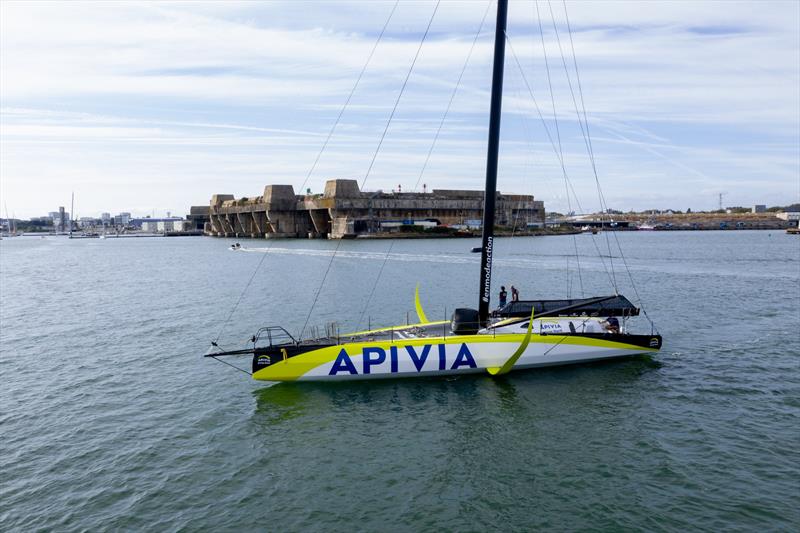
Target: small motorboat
589	229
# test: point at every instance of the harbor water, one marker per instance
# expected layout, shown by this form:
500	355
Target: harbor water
111	419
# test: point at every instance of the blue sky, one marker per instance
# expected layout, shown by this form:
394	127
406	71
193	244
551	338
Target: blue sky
152	107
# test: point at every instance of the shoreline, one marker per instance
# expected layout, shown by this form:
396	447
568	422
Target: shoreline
412	235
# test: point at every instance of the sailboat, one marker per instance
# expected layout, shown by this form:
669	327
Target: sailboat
84	234
520	335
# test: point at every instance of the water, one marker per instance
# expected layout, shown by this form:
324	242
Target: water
111	420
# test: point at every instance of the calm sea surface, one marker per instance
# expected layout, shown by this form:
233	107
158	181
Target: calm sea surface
111	420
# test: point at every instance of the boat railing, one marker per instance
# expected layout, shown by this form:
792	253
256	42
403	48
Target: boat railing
333	333
274	336
329	332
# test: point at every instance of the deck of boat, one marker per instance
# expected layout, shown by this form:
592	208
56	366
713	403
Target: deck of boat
396	333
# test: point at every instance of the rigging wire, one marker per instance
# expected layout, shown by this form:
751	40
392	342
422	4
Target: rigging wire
549	80
319	289
611	275
591	155
552	144
430	151
350	96
399	96
564	337
541	116
560	148
589	146
244	291
528	135
231	365
374	156
316	160
585	133
375	285
453	95
193	352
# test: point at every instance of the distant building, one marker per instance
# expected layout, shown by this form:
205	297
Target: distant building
172	224
344	211
789	215
198	217
56	218
159	225
60	219
394	224
122	219
105	218
759	209
473	224
87	222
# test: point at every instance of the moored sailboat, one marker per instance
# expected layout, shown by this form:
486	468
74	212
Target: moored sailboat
519	335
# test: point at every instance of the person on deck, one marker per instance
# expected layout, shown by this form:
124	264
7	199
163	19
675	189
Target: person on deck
503	296
612	324
514	294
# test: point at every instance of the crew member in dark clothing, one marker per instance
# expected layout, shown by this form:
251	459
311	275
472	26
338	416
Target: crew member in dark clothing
503	296
612	324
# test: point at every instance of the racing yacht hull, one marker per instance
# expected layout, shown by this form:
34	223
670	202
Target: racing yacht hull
443	356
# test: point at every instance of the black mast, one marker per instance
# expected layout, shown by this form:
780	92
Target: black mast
491	162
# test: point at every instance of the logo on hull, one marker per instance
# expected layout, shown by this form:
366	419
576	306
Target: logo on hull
374	356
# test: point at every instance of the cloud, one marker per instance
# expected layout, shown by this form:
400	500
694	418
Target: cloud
177	101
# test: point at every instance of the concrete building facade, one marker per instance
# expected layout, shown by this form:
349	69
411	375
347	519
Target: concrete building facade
160	225
344	211
198	217
791	216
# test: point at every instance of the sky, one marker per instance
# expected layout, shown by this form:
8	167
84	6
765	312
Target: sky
153	107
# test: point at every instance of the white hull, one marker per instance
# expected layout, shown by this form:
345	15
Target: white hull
443	357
